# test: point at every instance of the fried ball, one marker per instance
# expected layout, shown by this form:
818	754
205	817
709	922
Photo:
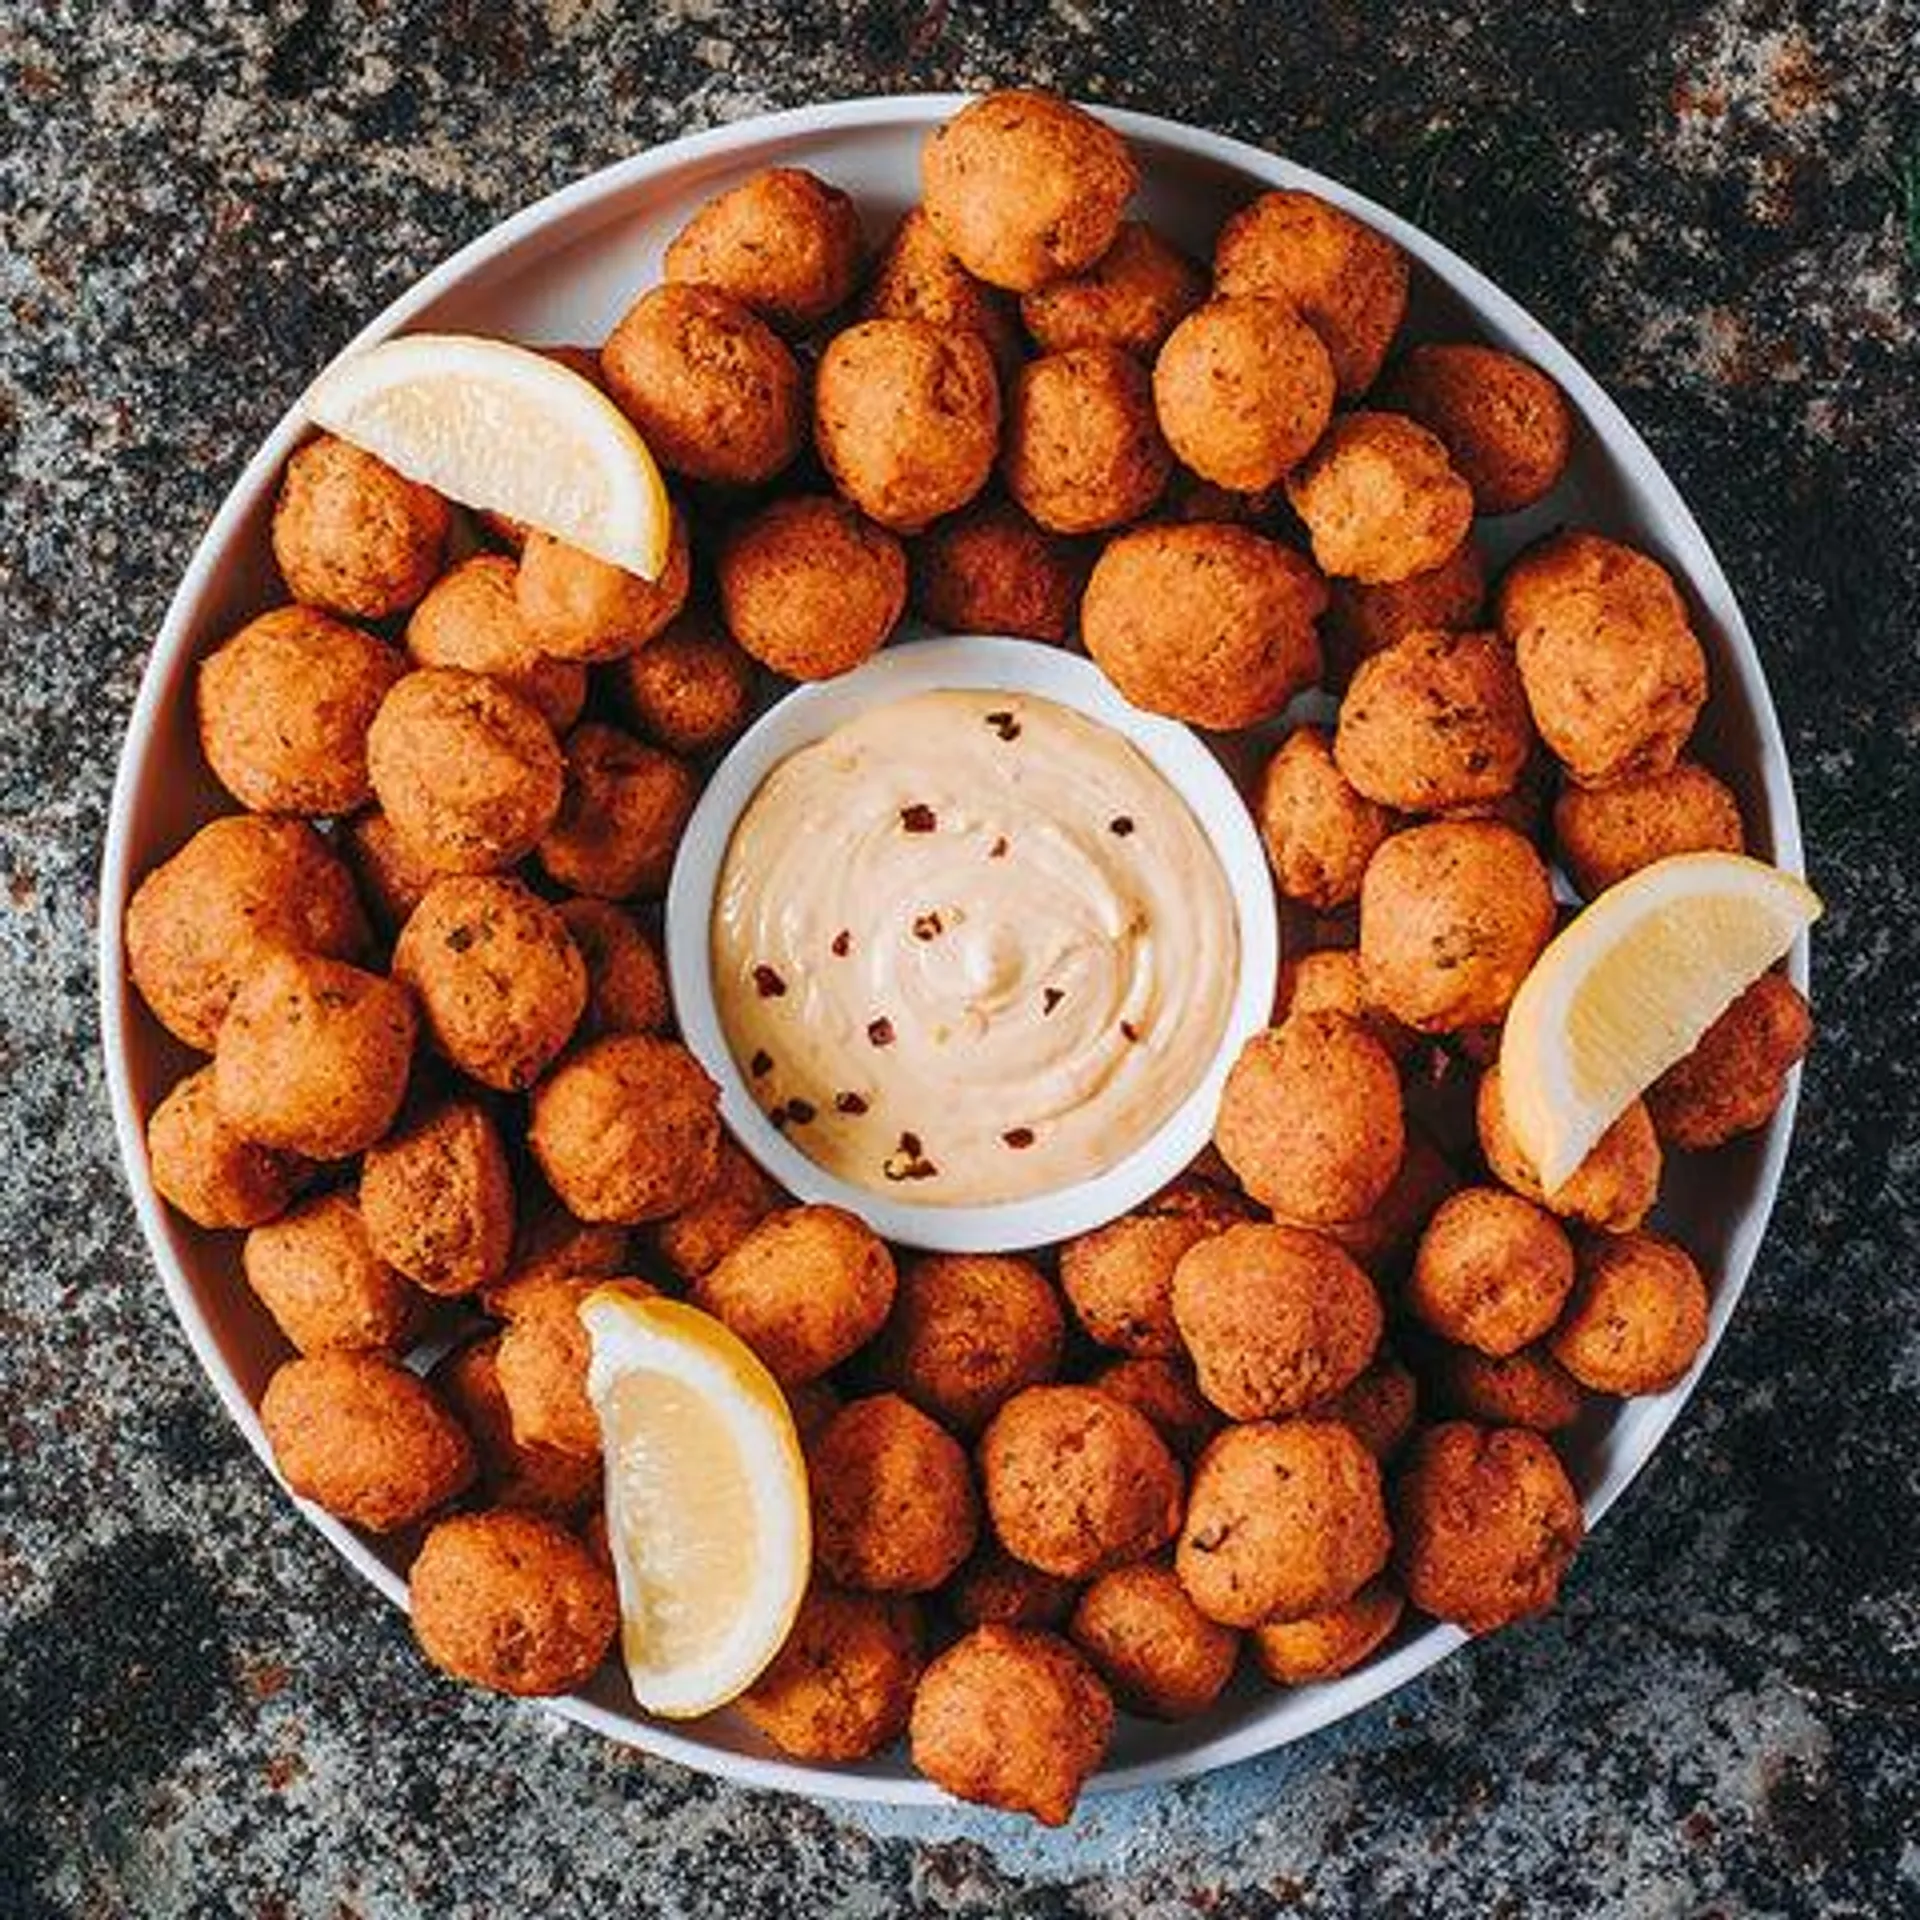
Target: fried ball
284	708
1082	450
471	619
469	774
1605	833
1167	1393
1157	1651
1493	1271
626	978
841	1687
1525	1389
316	1270
715	392
1735	1078
1380	499
783	242
1077	1482
240	888
1206	623
1244	391
916	278
1348	282
627	1128
689	690
542	1362
1014	1718
808	1287
967	1332
1285	1519
1362	620
580	608
351	536
393	877
359	1435
1132	297
1485	1525
994	1586
1294	1653
1310	1118
622	812
1506	425
1119	1278
990	569
1275	1317
1382	1240
906	416
1452	917
1319	830
1638	1316
1024	188
437	1197
1379	1407
894	1507
500	981
725	1211
511	1601
1614	1187
810	588
512	1473
1613	672
550	1244
201	1166
314	1056
1434	722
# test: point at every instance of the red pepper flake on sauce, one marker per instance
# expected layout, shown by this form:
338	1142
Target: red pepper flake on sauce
1017	1137
849	1103
1130	1031
918	818
842	944
767	983
908	1161
1121	824
761	1064
880	1032
1051	999
928	926
1005	725
998	851
800	1112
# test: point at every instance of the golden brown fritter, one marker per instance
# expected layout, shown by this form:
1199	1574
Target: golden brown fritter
622	812
894	1506
1380	499
511	1601
1012	1717
841	1687
1485	1525
995	1587
1165	1390
1207	623
1605	833
783	242
1362	620
1155	1649
1614	1187
314	1056
1310	1118
241	887
690	689
1735	1078
1322	1646
1286	1519
437	1198
353	537
1525	1389
284	708
1082	450
811	588
719	1217
626	978
1613	672
316	1270
1133	296
1275	1317
359	1435
990	569
513	1472
1244	389
1638	1316
1319	829
807	1288
916	278
499	980
1077	1482
471	619
209	1172
1506	425
1492	1272
1024	187
579	608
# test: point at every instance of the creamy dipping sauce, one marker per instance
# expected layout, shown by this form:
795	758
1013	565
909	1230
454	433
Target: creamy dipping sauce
971	947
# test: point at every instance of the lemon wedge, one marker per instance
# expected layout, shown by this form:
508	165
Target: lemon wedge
507	430
707	1513
1628	988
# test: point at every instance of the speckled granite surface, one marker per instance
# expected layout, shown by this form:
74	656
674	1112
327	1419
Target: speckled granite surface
1718	207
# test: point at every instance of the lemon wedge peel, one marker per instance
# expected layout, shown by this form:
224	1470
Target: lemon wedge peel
502	428
708	1517
1628	987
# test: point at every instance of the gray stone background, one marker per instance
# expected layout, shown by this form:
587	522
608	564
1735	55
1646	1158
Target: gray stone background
1718	207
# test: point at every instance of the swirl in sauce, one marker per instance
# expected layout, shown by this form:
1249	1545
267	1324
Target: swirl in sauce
971	947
